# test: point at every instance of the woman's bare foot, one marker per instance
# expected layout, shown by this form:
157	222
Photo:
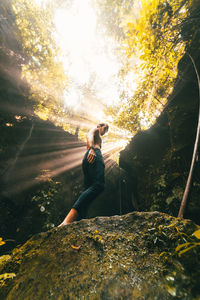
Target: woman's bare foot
62	224
71	217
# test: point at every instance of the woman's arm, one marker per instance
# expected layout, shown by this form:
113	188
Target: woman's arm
90	144
90	137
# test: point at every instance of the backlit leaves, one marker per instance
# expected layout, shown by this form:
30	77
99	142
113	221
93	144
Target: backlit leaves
197	234
43	68
155	39
3	259
7	275
1	242
185	247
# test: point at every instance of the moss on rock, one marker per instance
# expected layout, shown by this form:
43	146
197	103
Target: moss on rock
120	257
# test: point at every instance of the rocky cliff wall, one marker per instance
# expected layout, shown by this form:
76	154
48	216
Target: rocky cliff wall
158	159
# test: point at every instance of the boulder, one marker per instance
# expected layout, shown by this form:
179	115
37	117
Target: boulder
139	255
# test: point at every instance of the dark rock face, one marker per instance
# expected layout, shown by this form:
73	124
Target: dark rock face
158	159
120	257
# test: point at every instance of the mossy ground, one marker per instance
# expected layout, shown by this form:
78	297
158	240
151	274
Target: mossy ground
121	257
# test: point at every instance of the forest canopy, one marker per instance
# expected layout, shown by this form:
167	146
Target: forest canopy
155	38
42	68
147	42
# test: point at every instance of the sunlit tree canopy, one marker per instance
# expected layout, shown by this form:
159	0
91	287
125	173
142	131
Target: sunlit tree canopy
43	68
93	60
155	38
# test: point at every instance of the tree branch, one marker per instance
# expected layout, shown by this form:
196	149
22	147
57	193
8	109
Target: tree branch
188	184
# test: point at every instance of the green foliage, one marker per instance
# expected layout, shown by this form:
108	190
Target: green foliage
1	241
4	259
162	182
154	44
43	68
185	256
110	14
197	233
155	38
183	248
47	198
126	116
177	193
6	276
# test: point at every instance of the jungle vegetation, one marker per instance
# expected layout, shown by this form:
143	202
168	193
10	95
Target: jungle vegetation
151	38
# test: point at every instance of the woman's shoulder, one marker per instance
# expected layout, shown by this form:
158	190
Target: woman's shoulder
93	131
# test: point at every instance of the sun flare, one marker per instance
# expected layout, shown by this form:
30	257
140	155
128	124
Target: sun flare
92	64
87	54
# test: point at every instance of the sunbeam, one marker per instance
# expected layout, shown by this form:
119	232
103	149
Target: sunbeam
61	157
90	60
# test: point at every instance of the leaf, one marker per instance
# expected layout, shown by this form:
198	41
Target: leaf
76	247
181	246
7	275
171	290
4	258
155	240
162	253
1	242
197	234
185	250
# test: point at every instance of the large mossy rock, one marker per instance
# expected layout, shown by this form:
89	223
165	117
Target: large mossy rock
120	257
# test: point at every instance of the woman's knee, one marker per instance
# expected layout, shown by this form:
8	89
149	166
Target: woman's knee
99	187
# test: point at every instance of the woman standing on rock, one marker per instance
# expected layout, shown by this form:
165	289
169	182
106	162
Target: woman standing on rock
93	169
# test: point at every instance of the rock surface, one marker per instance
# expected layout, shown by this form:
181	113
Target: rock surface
120	257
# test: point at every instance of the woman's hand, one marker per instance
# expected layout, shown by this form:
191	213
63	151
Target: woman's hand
91	156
